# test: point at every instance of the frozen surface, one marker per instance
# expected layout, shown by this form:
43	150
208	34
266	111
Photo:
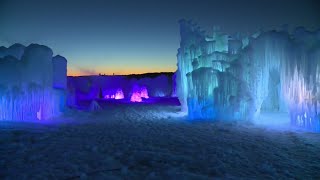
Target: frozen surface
140	141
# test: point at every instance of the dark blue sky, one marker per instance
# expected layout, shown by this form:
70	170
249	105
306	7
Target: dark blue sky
130	36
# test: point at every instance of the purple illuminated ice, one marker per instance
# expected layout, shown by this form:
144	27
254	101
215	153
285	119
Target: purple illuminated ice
39	114
144	92
136	97
118	94
138	93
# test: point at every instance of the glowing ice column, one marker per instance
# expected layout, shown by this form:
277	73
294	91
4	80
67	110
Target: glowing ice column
136	94
119	94
144	93
114	94
135	97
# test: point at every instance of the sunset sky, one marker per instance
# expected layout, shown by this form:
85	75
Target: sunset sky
127	37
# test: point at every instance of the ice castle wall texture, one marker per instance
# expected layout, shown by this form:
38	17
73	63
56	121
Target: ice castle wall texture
235	78
32	83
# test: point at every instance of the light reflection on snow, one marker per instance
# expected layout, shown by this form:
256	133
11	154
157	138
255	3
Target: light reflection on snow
274	120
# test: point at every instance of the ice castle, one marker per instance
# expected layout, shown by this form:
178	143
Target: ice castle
224	77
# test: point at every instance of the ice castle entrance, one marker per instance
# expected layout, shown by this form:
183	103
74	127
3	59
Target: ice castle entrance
274	111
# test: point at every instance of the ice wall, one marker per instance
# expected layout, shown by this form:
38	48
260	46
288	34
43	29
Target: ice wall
191	36
273	71
27	85
174	85
300	80
200	93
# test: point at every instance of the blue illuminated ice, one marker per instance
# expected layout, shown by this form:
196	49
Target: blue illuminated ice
32	83
239	77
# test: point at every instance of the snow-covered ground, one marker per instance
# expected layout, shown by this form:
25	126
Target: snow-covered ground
130	141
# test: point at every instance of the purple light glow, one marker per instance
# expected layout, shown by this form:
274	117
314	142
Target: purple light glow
136	97
144	93
118	94
138	93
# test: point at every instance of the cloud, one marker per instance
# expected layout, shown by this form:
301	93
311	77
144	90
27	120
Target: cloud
87	71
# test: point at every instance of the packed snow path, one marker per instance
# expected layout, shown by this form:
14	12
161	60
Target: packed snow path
153	142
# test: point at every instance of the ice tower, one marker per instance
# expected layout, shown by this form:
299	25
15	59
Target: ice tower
33	83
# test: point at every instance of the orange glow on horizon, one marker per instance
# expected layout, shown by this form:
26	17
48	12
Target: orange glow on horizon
76	72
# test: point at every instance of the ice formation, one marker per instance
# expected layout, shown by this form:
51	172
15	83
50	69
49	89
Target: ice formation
174	85
16	50
136	94
33	83
59	72
235	78
39	114
89	87
144	92
136	97
119	94
114	94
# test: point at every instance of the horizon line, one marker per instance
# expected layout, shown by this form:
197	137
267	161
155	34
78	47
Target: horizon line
101	74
